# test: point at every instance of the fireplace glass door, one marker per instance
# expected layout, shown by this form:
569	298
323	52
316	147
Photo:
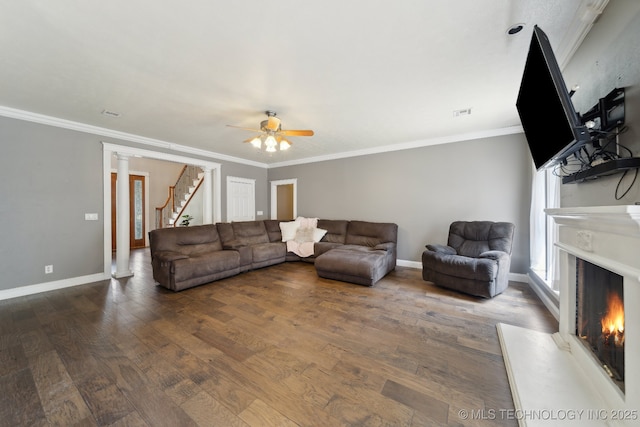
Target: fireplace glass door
600	316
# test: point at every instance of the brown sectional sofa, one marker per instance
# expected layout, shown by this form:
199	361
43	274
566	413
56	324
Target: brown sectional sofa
359	252
184	257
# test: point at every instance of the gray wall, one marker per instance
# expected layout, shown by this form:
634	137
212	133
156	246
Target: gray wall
51	177
608	58
423	190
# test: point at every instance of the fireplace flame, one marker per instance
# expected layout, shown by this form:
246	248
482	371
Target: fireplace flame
613	321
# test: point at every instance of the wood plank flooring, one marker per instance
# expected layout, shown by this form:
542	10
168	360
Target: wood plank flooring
273	347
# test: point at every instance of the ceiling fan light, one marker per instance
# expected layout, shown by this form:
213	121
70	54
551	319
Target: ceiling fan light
284	145
256	142
270	142
272	134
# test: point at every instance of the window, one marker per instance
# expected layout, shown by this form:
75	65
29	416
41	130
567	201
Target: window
544	254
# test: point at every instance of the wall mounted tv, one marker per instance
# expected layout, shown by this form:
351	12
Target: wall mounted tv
551	125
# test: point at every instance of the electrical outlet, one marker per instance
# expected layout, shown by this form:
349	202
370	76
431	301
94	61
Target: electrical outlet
48	269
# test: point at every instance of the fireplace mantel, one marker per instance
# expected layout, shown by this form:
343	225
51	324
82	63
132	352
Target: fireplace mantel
606	235
555	372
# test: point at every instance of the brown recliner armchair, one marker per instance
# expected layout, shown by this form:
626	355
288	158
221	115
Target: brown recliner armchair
476	259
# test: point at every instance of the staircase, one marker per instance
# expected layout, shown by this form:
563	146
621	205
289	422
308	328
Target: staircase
179	196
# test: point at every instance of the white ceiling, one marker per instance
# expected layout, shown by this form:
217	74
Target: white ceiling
363	74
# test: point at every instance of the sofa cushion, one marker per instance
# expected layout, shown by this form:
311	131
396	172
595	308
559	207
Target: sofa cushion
336	230
321	247
362	267
268	251
193	240
371	233
357	248
471	238
273	230
250	232
205	264
225	230
481	269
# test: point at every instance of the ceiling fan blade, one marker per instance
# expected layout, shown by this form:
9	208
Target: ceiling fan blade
244	128
294	132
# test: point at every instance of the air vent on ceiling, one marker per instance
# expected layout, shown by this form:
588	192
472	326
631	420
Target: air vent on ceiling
463	112
110	113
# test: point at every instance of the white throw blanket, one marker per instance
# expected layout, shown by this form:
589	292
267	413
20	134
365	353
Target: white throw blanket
302	249
300	235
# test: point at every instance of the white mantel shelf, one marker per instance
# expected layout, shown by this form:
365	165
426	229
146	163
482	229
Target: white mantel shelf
621	219
554	379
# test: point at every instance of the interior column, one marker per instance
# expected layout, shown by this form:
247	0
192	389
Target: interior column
122	219
207	198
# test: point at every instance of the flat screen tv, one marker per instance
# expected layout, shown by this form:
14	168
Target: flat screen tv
551	125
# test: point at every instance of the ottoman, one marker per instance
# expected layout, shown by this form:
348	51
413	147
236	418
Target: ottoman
354	266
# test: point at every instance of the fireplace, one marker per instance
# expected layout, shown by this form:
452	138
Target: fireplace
600	317
586	366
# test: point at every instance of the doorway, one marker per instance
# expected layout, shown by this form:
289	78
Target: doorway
284	199
285	203
137	211
211	197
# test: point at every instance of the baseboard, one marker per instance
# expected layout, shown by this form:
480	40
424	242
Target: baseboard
406	263
551	303
51	286
518	277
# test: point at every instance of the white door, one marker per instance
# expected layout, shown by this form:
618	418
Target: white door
241	199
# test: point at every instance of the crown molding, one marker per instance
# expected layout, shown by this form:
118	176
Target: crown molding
585	17
156	143
14	113
404	146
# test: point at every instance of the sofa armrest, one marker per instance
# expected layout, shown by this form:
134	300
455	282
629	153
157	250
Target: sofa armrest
387	246
496	255
442	249
233	245
169	256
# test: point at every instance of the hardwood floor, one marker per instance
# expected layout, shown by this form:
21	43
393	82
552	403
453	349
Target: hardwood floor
276	346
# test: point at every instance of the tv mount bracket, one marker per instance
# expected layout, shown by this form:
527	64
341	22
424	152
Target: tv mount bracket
607	114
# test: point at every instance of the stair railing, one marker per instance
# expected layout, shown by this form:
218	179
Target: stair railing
164	213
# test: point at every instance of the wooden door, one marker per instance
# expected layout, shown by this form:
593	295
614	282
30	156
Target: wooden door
136	213
137	229
285	202
114	212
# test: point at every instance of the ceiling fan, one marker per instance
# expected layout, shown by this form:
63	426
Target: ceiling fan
272	134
